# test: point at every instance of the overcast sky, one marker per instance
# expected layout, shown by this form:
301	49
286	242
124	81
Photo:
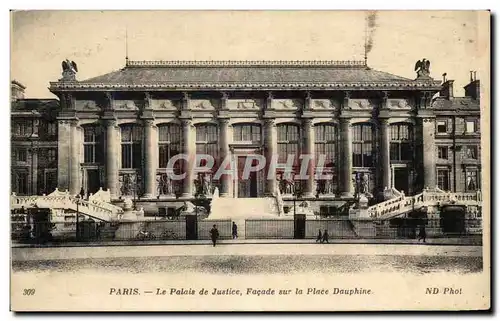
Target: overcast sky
454	42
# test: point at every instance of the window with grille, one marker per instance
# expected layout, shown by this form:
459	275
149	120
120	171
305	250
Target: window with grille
131	146
362	145
288	141
50	155
23	127
93	144
400	142
246	133
471	180
443	179
324	143
169	143
207	141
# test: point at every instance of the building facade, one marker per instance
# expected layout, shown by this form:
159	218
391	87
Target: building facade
33	143
378	131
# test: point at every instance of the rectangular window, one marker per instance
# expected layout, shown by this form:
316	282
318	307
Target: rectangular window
52	129
442	126
288	141
246	133
22	183
443	152
169	143
471	180
443	179
470	126
22	155
471	152
131	146
324	144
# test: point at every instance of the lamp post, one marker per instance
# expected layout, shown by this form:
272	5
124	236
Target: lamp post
77	217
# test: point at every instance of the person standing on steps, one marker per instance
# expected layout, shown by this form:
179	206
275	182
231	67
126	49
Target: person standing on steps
325	237
320	237
214	234
235	231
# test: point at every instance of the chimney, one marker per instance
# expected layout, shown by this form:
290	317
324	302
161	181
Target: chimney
472	89
446	88
16	90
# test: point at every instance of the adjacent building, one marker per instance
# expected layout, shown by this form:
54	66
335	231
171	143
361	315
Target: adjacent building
117	131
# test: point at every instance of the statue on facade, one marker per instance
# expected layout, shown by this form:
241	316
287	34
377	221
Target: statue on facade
422	68
363	188
206	185
289	186
328	187
165	185
281	183
69	70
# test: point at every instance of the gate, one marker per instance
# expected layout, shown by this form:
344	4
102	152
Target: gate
191	227
299	226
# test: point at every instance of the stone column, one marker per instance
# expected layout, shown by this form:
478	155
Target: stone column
34	169
271	142
112	157
385	160
225	180
308	128
150	158
345	173
429	152
190	150
74	173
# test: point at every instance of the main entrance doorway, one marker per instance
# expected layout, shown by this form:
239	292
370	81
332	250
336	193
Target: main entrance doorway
246	184
93	181
401	180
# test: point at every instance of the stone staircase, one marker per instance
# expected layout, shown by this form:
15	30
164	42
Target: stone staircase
402	204
95	207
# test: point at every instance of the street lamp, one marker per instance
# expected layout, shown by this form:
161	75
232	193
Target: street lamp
77	215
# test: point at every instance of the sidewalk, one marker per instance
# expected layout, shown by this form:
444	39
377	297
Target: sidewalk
470	240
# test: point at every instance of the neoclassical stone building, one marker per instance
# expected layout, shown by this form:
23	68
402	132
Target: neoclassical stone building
377	130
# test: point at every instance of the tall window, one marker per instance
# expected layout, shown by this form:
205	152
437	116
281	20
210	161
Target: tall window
362	145
400	136
443	179
21	183
207	140
246	133
324	143
52	129
23	127
49	156
131	146
288	141
169	143
92	144
21	155
471	180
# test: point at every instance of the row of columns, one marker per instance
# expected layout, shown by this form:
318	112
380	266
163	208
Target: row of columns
270	148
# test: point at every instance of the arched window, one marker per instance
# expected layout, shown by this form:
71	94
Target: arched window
247	133
207	140
288	141
169	143
362	145
93	145
324	143
131	146
401	141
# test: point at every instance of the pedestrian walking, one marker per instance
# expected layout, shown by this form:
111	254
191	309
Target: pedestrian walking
235	231
421	234
320	237
214	234
325	237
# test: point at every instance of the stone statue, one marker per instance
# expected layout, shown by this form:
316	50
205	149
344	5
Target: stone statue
422	68
364	184
328	187
69	66
206	185
289	187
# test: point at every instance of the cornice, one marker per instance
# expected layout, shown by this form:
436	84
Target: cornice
403	85
244	63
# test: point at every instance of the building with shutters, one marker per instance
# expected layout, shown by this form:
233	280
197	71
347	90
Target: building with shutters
378	131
